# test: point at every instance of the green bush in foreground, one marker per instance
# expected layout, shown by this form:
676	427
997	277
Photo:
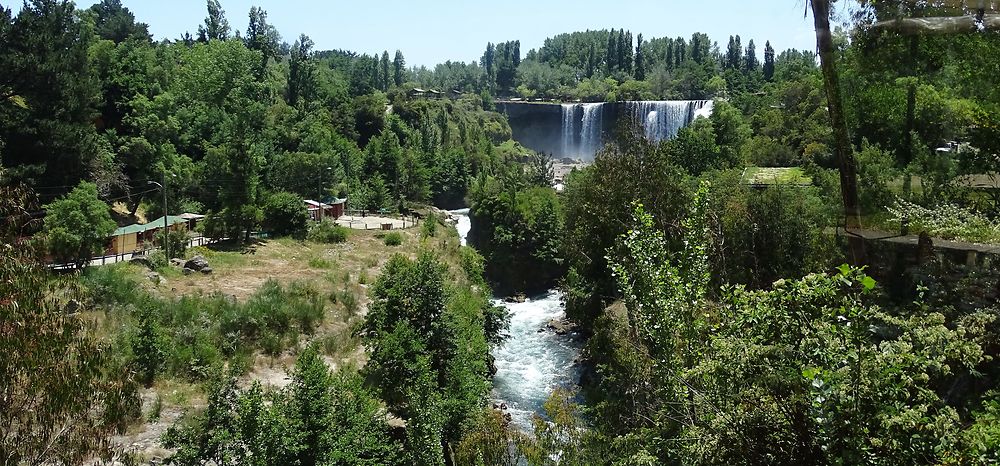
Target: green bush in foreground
393	239
320	418
327	232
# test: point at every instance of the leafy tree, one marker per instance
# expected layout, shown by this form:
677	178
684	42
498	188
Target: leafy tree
262	37
385	72
750	62
215	27
77	226
428	348
768	61
285	213
398	69
63	395
640	63
114	22
518	232
320	418
301	72
48	132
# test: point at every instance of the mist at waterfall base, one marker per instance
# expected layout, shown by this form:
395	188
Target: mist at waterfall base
577	131
531	363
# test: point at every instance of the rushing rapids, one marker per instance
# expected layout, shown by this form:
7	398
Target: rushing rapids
533	361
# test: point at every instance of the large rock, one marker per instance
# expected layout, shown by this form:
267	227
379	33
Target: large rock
561	326
143	261
155	278
196	263
187	271
206	270
177	262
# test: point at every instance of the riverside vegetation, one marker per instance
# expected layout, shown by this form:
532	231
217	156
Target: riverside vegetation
721	325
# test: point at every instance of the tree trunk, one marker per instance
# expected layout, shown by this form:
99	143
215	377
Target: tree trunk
841	140
911	109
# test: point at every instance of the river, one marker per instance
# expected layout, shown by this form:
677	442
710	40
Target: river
534	361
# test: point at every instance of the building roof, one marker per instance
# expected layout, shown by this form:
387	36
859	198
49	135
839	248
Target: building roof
315	204
190	216
153	225
130	229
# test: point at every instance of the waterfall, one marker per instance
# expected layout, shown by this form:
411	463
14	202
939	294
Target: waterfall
593	123
663	119
568	129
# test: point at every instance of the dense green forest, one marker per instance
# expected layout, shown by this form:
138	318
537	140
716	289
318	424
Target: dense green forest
725	320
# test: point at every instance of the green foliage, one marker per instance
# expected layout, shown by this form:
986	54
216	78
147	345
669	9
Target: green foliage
64	396
147	347
762	235
177	239
393	239
192	335
562	430
77	226
488	441
327	232
597	204
428	349
429	226
518	232
947	221
285	213
321	418
831	376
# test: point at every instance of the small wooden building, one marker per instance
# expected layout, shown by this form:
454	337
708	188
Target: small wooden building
333	210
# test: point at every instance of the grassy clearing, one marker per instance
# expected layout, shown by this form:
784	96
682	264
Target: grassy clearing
254	313
773	175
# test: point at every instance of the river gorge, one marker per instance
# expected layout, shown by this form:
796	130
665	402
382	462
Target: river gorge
534	361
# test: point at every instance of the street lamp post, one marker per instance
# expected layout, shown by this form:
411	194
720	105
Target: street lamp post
166	227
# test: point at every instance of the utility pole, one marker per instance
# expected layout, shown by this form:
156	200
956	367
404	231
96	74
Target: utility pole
320	199
166	227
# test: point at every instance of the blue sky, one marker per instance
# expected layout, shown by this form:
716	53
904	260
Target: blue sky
431	32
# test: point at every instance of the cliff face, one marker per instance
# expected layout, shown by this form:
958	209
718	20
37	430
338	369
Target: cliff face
579	130
535	126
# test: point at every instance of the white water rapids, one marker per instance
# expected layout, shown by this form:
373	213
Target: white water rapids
534	361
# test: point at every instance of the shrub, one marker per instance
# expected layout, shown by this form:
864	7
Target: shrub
285	213
327	232
393	239
178	241
429	226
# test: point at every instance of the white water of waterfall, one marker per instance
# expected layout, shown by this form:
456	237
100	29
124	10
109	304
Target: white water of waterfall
663	119
532	362
568	127
593	121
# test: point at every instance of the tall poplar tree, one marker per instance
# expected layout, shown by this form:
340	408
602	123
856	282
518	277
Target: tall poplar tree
768	61
385	74
640	63
216	26
399	69
750	62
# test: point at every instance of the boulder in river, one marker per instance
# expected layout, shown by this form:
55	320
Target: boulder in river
561	326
